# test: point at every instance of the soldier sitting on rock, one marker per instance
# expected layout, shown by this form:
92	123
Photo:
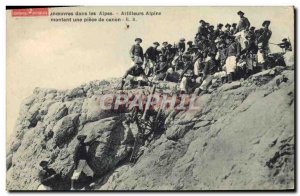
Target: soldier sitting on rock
210	68
48	177
135	74
162	67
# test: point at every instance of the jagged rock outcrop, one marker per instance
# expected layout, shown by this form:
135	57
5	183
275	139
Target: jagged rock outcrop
240	138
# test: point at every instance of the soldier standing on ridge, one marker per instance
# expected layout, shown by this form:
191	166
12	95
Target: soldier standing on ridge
136	52
202	30
263	43
233	53
244	23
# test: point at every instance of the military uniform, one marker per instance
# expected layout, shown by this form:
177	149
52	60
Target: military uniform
151	54
161	70
243	24
181	47
49	179
80	160
136	53
233	52
202	32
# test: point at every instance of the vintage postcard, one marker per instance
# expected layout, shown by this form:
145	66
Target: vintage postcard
150	98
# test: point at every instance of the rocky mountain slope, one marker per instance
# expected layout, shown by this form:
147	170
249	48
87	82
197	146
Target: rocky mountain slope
241	138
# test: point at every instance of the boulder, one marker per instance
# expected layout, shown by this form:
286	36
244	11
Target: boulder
65	129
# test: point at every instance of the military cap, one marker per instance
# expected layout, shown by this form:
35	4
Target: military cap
43	163
156	43
190	42
182	40
165	43
138	39
284	39
266	22
252	28
227	25
240	13
234	24
220	25
201	21
211	26
81	137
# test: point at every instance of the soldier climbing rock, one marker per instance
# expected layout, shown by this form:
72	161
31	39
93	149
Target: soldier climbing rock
80	159
49	179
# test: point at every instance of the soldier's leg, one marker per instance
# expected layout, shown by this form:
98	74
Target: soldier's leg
183	85
207	81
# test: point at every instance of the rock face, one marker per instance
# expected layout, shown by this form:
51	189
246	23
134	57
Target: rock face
241	137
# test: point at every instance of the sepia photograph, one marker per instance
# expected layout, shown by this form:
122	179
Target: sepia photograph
150	98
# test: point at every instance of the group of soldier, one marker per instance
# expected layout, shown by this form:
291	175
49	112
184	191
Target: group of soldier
217	54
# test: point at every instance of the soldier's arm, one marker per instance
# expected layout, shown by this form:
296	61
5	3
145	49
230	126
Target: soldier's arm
142	54
238	48
205	69
131	52
269	34
248	23
146	55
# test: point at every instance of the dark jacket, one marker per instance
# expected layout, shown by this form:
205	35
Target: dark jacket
234	49
243	24
265	36
48	177
80	152
202	31
210	67
223	55
136	50
251	47
151	53
162	67
181	47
